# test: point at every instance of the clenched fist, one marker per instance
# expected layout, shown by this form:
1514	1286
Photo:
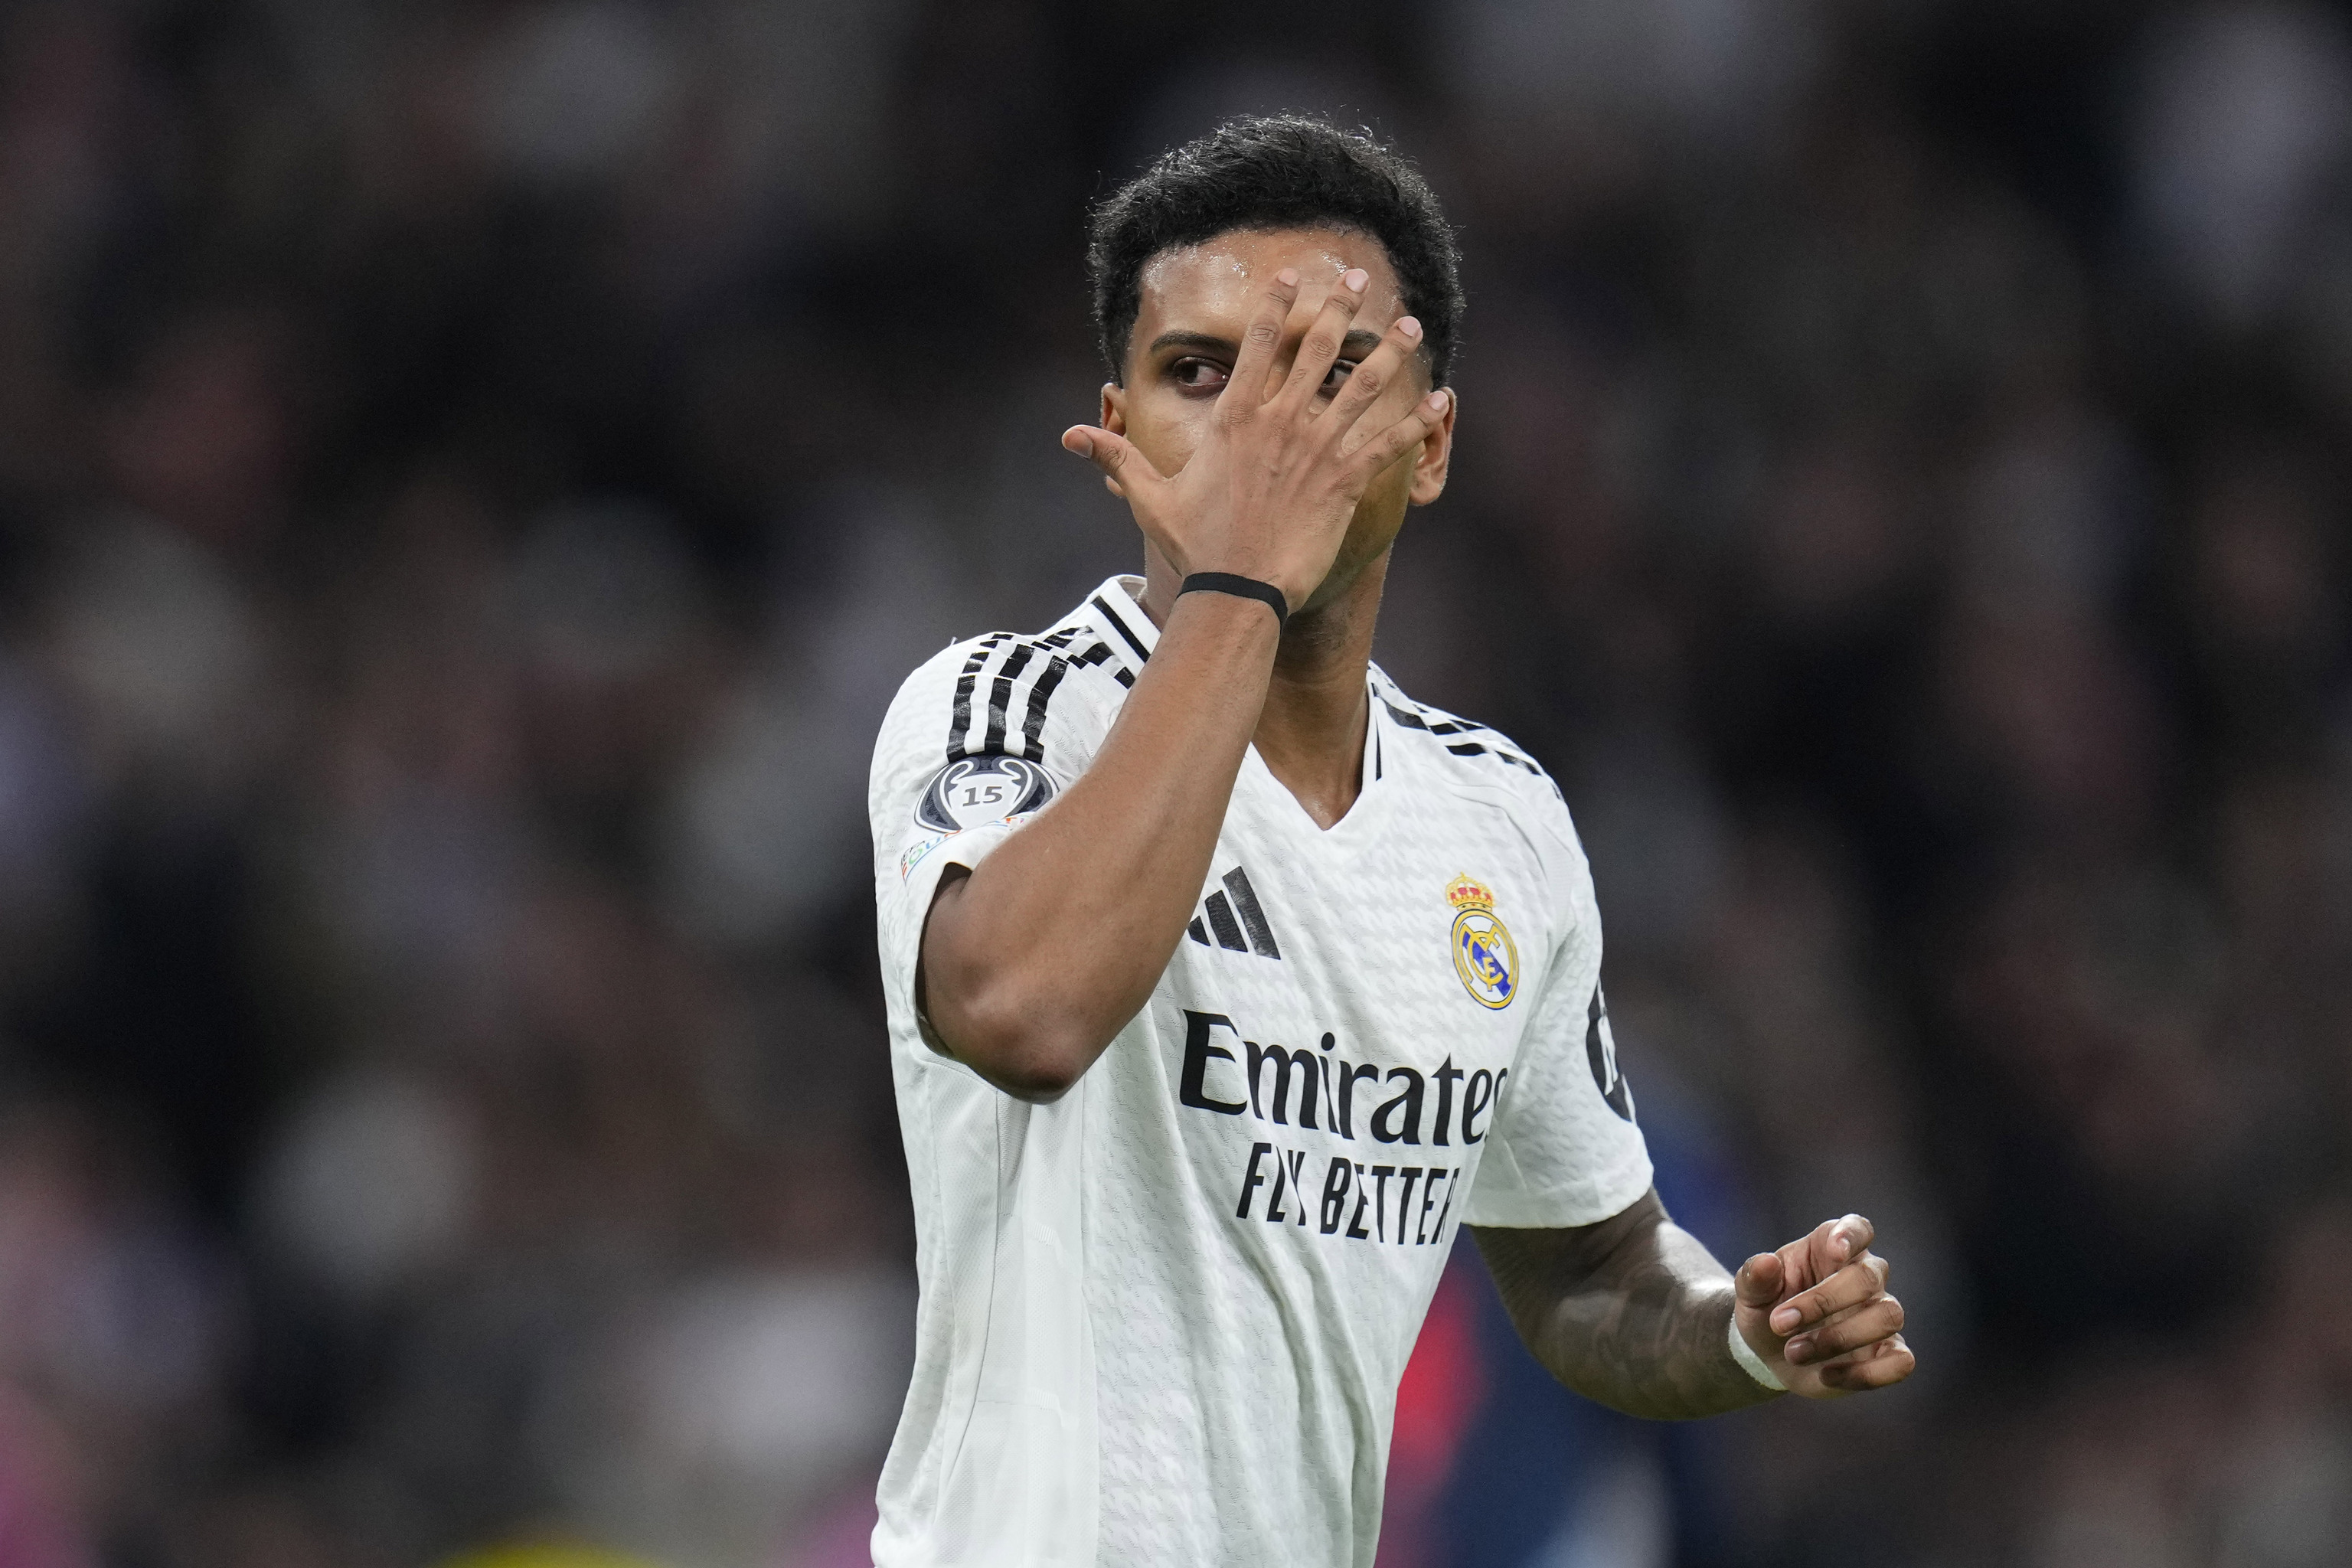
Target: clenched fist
1817	1312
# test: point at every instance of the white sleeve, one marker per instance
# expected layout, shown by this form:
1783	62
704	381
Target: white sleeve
978	741
1565	1149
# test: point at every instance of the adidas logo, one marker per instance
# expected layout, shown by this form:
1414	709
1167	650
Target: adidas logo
1237	921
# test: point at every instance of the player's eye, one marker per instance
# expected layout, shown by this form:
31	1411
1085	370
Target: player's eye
1198	374
1340	371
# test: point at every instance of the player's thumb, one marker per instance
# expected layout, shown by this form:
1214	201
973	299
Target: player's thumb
1123	466
1758	1280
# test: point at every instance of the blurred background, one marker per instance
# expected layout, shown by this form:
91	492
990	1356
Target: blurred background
472	475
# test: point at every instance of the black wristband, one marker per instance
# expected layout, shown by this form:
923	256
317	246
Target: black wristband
1239	587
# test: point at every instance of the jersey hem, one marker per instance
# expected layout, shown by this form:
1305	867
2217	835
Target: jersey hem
1564	1207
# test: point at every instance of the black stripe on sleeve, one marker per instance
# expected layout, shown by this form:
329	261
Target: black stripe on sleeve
1407	719
1121	626
1000	697
1100	654
1196	933
1412	721
1032	728
1261	935
959	720
1474	751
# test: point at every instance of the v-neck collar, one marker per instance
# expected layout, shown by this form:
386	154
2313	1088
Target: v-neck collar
1371	794
1117	607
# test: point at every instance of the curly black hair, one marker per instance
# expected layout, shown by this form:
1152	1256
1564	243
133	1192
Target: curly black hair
1277	172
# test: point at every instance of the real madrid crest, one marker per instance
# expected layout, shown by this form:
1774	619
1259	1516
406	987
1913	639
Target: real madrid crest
1484	954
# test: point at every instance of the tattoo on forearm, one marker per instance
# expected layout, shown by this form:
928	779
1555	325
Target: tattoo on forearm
1632	1312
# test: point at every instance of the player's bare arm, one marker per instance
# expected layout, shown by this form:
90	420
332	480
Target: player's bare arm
1635	1313
1033	962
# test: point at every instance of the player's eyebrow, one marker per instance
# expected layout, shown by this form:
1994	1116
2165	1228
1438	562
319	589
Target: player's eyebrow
1355	346
1191	341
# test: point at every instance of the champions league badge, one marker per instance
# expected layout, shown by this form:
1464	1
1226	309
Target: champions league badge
973	791
1484	953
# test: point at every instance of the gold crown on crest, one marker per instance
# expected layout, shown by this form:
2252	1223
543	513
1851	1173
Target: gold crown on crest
1465	894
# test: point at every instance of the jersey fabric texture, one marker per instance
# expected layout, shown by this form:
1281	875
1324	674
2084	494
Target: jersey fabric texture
1164	1318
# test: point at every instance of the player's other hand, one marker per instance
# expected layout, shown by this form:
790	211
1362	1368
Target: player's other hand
1269	491
1818	1312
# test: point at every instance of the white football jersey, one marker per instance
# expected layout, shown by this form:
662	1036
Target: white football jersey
1164	1318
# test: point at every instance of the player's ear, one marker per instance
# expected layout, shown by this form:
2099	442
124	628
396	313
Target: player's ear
1113	419
1436	458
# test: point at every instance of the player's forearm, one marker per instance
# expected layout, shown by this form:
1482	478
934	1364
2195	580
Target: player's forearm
1634	1313
1036	961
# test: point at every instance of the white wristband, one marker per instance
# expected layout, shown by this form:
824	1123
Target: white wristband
1755	1364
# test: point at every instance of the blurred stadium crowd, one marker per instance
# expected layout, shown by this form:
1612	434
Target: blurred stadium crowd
472	474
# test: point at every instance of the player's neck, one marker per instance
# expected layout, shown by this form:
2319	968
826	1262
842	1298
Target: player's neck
1310	735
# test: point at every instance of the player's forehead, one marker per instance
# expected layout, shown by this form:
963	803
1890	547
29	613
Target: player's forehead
1214	287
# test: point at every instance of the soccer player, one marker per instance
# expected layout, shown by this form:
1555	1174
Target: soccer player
1226	981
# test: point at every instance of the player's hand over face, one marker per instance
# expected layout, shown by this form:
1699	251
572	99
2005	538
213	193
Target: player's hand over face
1269	492
1818	1312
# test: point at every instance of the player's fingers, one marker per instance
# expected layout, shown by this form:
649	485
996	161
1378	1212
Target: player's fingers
1402	436
1124	469
1368	381
1856	1282
1796	1260
1246	388
1318	350
1820	1252
1880	1365
1758	1280
1839	1242
1849	1331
